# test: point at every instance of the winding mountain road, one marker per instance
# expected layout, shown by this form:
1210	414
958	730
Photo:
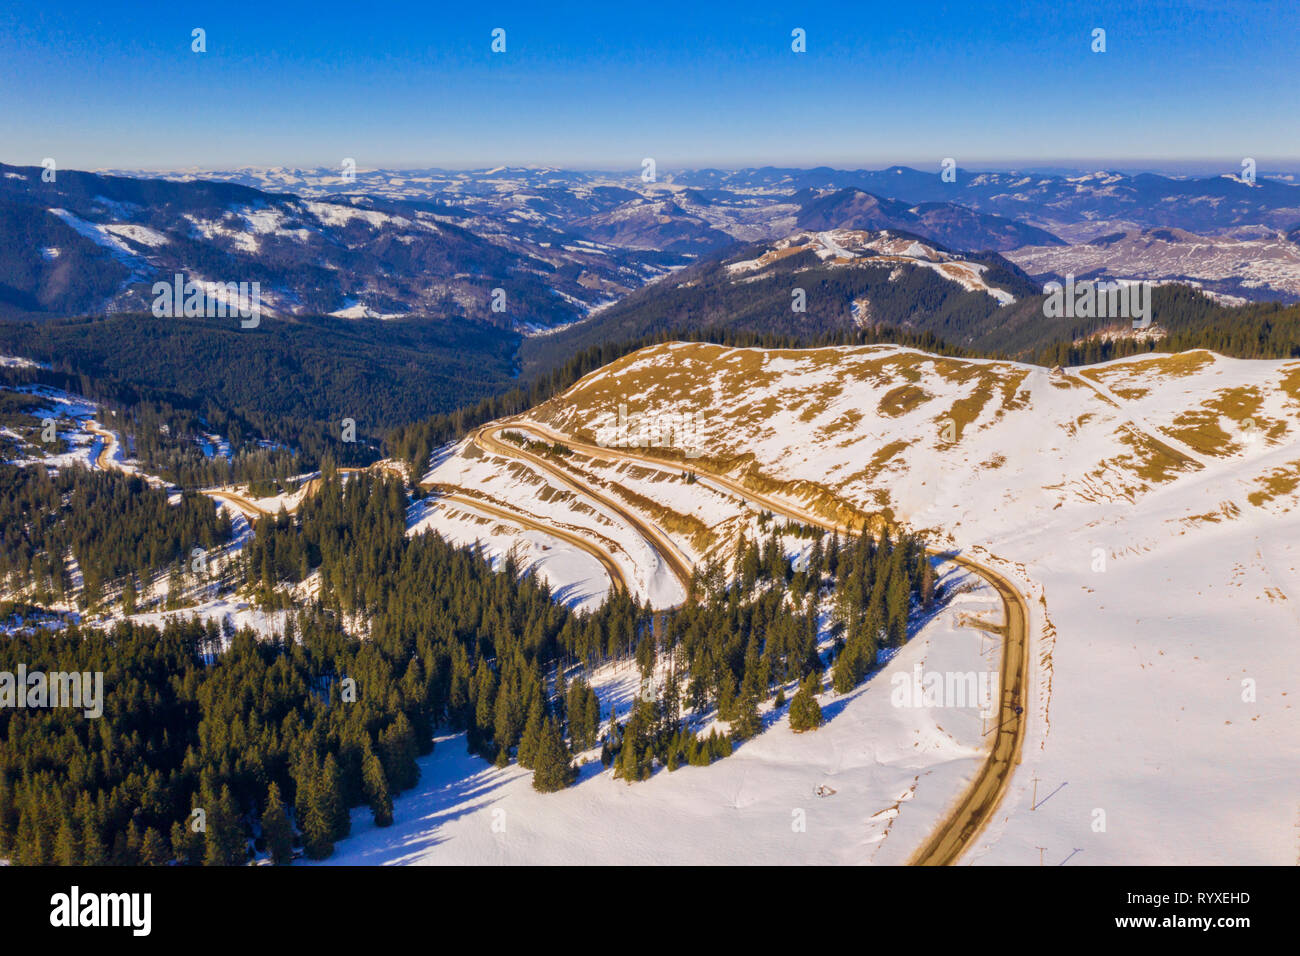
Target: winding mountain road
973	809
616	575
489	438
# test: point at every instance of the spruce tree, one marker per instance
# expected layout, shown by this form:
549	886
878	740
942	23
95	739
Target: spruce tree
531	739
276	829
376	786
186	843
93	852
331	795
745	722
479	738
805	712
223	838
66	851
318	822
554	770
848	669
153	849
397	752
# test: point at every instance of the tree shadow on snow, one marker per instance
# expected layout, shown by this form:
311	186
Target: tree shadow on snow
453	784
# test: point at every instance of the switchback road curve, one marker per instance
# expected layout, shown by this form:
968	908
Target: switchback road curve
964	821
617	579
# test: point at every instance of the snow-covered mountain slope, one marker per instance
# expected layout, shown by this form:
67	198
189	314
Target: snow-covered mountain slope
93	243
1146	507
576	578
955	226
917	435
651	224
850	247
1233	269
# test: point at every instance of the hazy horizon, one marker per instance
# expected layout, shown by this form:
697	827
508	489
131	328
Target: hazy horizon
1187	168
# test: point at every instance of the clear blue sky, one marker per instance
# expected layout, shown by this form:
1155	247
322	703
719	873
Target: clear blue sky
602	85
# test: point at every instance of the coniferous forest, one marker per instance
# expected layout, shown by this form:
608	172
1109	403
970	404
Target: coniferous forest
214	741
108	527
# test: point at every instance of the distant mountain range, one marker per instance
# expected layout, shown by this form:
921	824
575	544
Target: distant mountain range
821	282
90	243
1075	207
563	245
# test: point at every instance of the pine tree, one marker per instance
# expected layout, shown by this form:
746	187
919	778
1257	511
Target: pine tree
153	849
635	757
899	603
745	721
479	738
507	720
224	841
397	753
561	695
376	786
805	712
318	820
276	829
531	739
186	844
331	793
459	711
554	770
66	850
927	581
849	667
8	813
93	852
584	715
129	595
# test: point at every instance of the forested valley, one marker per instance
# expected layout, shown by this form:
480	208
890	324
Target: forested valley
214	741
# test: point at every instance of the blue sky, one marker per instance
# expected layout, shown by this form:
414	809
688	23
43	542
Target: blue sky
602	85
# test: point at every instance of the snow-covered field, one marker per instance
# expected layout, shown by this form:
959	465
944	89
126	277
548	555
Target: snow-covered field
71	415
